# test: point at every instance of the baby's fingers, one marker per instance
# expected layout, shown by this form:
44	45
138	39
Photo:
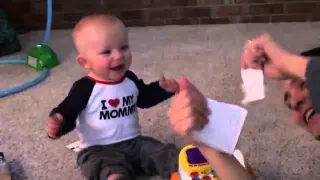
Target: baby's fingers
163	81
53	126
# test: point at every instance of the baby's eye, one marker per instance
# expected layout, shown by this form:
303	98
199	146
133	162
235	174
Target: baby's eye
124	47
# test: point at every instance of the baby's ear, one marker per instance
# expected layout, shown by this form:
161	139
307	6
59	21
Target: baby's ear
83	62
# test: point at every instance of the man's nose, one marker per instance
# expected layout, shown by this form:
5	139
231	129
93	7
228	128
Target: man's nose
297	100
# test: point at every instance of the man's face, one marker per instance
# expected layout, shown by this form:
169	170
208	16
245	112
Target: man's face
296	98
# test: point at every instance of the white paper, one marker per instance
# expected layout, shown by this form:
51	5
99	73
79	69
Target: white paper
75	146
224	127
253	85
239	156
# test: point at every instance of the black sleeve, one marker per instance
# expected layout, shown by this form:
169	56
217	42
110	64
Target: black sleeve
311	52
74	103
149	94
313	82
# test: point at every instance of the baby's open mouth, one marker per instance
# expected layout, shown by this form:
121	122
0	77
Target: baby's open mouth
308	114
117	68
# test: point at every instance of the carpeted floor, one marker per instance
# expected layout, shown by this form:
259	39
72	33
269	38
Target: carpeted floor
207	55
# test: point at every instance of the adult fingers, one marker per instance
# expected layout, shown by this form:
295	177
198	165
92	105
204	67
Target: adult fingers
199	113
185	121
179	100
191	114
183	83
198	103
189	98
181	121
253	59
247	54
262	40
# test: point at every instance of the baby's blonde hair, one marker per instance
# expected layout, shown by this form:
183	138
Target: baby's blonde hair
106	19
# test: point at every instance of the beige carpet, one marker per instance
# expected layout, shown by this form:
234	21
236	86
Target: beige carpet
207	55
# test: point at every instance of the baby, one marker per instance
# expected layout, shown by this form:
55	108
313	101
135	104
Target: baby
102	107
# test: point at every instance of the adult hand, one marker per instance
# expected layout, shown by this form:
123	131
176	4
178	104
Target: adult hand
188	109
264	53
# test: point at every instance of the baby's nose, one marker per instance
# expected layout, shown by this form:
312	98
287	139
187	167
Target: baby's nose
117	55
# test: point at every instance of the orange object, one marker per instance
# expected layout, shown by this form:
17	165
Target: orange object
175	176
251	171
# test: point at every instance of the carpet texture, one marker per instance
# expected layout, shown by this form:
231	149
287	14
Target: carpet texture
208	55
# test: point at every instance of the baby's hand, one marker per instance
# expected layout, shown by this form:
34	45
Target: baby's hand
170	85
54	126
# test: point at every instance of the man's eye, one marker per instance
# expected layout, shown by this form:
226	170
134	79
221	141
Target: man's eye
125	47
302	85
107	52
286	99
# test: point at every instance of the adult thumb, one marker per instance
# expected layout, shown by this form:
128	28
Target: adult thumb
183	83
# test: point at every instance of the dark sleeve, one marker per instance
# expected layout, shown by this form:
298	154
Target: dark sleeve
313	82
311	52
76	100
149	94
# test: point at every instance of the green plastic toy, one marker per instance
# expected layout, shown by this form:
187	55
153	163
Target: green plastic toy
42	56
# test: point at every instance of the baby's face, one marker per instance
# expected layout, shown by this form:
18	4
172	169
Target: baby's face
108	53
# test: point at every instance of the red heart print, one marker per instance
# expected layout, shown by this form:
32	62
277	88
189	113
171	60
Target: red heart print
114	102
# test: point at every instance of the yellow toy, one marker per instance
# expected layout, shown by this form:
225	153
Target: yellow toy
193	165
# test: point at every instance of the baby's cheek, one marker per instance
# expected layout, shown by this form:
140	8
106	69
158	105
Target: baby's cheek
103	69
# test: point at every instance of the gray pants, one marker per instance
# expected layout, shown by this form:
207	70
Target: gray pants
141	155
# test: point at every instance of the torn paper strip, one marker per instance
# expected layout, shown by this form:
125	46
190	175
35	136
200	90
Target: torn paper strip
75	146
253	85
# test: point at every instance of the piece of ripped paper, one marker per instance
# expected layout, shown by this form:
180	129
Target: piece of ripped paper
253	85
224	127
75	146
